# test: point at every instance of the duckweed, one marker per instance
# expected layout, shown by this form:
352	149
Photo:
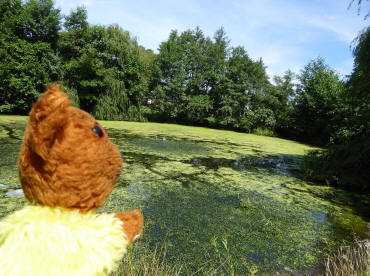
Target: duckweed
217	197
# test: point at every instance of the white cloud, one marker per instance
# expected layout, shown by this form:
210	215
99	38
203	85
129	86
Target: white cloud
286	34
343	30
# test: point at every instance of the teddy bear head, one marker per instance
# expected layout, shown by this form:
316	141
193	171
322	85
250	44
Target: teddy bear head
66	159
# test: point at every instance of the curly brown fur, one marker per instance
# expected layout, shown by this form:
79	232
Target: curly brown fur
132	224
62	162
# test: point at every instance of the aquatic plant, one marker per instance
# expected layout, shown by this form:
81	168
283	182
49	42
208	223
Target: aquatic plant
220	202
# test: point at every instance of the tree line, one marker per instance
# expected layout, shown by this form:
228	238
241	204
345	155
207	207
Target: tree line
193	79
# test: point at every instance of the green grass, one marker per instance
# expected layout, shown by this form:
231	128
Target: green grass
216	202
350	260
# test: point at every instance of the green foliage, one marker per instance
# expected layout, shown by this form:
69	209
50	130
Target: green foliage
72	94
181	62
96	56
244	100
317	99
41	21
27	60
205	81
345	162
343	165
25	69
115	105
284	92
77	19
357	97
264	132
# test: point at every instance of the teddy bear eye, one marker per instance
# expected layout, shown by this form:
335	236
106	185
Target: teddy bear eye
98	130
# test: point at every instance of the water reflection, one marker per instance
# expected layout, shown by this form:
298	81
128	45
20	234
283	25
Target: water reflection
279	164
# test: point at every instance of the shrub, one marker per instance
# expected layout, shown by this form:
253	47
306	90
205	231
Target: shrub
344	165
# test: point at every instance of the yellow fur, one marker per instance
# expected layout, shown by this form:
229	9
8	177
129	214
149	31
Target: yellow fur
40	240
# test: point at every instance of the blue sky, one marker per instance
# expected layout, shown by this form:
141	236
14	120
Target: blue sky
286	34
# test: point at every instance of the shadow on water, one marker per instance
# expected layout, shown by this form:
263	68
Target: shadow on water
13	131
119	134
280	164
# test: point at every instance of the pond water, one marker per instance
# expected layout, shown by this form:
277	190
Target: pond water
232	201
218	198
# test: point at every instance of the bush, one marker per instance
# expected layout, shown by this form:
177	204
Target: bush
264	132
345	165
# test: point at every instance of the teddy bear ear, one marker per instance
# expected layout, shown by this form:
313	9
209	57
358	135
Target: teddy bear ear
47	116
53	100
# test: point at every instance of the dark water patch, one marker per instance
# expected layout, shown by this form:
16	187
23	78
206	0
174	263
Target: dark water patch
279	164
165	146
115	133
13	131
148	161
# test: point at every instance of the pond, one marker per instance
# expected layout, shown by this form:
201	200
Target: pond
219	198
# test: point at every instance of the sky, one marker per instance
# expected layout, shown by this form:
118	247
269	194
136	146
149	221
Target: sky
286	34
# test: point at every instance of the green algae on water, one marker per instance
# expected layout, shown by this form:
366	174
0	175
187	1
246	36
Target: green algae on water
217	197
201	189
11	134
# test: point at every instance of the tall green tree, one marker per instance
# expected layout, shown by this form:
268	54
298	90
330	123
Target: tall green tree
345	161
284	92
196	101
217	56
27	59
182	88
41	22
76	19
318	95
358	93
97	56
244	94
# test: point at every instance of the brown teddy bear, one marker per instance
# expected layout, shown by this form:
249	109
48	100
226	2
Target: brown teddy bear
67	167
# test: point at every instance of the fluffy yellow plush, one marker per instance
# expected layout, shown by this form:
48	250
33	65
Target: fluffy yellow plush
92	242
